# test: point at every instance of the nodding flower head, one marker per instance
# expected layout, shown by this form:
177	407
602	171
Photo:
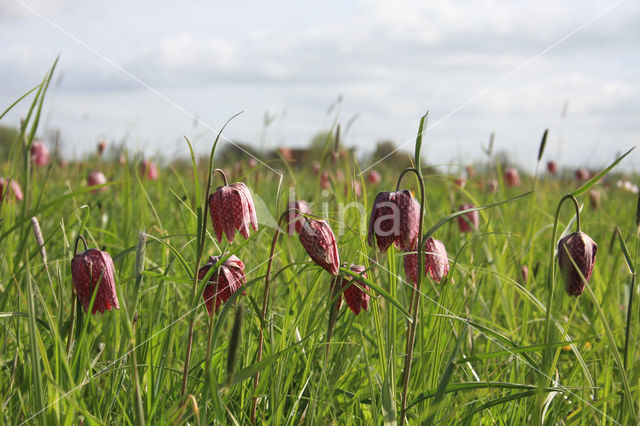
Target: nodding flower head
318	240
394	220
225	281
582	174
12	186
374	177
296	220
148	168
356	298
582	249
93	268
436	261
231	208
511	176
325	181
468	221
97	178
552	167
39	153
102	145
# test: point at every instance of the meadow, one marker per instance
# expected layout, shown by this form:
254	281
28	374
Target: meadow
492	345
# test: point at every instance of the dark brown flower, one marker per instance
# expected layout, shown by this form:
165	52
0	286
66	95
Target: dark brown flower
582	249
93	268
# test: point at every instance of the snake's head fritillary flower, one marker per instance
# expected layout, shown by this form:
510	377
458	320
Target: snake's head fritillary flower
102	145
225	281
148	168
582	249
93	268
468	221
315	167
325	181
552	167
231	208
374	177
296	220
436	261
253	162
318	240
511	176
394	220
12	186
39	153
356	187
97	178
356	298
460	182
582	174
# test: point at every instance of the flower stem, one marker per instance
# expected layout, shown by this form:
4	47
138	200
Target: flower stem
415	300
547	359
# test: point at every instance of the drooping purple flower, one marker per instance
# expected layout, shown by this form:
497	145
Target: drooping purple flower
356	298
296	220
374	177
93	268
436	261
511	176
148	168
582	249
582	174
468	221
394	220
39	153
97	178
318	240
225	281
12	186
552	167
231	208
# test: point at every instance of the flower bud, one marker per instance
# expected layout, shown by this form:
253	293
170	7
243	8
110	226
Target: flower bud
356	298
39	153
296	220
97	178
468	221
436	261
511	176
93	268
318	240
582	249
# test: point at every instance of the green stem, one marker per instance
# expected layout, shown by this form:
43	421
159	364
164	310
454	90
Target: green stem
547	356
415	300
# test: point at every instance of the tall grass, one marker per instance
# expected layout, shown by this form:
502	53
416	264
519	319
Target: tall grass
489	346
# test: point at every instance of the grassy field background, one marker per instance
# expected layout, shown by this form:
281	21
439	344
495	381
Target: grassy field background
486	351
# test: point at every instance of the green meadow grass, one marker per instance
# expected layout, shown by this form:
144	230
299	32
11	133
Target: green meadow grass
487	349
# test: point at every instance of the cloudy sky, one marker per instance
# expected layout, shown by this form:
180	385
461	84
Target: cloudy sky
141	71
